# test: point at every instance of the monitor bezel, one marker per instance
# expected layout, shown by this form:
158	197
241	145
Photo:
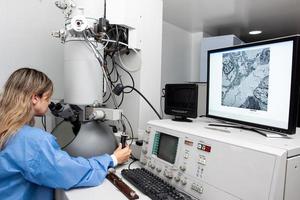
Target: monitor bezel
192	112
294	93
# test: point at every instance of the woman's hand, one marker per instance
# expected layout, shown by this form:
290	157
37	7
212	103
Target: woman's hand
122	155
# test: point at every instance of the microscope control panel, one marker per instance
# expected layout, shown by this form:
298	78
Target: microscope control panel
181	160
210	164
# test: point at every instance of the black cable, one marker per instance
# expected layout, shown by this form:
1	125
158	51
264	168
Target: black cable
161	98
43	120
123	125
158	115
107	98
112	69
161	106
69	142
131	77
57	125
134	160
131	129
122	98
104	16
117	76
115	63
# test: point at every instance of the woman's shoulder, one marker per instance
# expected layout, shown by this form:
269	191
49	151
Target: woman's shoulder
33	134
31	131
30	139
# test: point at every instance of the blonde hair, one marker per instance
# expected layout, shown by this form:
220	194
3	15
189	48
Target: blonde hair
15	100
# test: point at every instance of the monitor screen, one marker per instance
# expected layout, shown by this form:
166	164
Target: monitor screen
167	148
181	100
255	84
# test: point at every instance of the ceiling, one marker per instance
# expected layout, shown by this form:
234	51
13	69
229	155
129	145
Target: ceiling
275	18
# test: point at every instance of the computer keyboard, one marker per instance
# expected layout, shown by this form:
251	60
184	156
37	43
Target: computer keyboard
152	186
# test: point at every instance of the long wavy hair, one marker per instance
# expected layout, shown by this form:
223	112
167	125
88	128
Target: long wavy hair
15	100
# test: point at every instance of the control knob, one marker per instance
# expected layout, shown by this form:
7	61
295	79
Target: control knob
158	169
152	166
182	168
183	181
144	151
168	174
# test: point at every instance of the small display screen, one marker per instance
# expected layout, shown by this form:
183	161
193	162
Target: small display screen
167	148
181	100
204	147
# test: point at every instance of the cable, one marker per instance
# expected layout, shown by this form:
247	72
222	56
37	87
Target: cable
99	57
131	77
107	98
57	125
43	119
131	129
104	16
122	99
158	115
133	160
69	142
161	102
120	59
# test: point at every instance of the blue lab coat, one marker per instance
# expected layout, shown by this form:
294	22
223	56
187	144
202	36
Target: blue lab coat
32	164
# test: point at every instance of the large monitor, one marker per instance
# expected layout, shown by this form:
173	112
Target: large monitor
256	84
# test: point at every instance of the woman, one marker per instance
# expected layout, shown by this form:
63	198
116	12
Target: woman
31	162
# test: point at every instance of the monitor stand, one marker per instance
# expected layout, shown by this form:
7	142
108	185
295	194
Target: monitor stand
181	119
266	133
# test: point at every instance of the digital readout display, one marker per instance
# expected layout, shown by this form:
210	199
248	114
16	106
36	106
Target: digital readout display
204	147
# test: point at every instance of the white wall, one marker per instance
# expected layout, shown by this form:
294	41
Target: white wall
181	52
176	54
148	78
150	75
195	56
26	41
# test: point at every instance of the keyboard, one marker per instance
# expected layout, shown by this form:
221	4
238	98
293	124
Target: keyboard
152	185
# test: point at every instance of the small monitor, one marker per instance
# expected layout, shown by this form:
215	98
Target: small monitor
256	84
167	148
181	100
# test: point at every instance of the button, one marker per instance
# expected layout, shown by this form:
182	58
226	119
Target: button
202	160
186	155
144	162
201	190
183	182
177	178
144	151
182	168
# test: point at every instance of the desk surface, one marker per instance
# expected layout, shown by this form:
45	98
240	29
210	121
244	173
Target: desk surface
106	190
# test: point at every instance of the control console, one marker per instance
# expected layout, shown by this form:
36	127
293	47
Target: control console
179	159
221	163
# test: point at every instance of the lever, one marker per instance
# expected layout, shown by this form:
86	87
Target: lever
123	140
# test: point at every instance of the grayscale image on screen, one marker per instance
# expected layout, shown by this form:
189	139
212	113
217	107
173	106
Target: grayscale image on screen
245	79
